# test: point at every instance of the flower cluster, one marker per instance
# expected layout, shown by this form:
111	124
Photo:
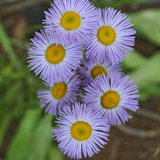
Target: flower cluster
78	55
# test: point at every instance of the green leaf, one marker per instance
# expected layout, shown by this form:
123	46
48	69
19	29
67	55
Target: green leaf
150	91
41	139
19	75
6	70
3	126
116	3
8	97
134	61
6	44
18	108
19	148
5	118
55	154
148	74
147	23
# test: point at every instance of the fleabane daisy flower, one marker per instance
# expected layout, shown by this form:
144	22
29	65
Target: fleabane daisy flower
114	37
112	97
80	132
71	20
52	59
92	69
60	92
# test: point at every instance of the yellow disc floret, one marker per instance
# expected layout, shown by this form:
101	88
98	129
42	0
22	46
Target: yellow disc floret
106	35
70	20
59	90
81	131
55	54
110	99
98	70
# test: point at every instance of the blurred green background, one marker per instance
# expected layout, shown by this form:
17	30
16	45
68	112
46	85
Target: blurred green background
24	128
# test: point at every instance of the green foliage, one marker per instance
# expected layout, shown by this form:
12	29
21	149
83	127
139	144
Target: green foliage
3	126
18	92
54	153
33	138
20	146
144	73
147	74
147	23
41	139
134	61
4	39
116	3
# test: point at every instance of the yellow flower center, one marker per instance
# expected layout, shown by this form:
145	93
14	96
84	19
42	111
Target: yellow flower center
55	54
98	70
59	90
110	99
70	20
81	131
106	35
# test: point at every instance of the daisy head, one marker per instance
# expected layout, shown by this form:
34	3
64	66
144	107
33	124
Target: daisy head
114	37
92	69
112	97
52	59
60	92
80	132
71	20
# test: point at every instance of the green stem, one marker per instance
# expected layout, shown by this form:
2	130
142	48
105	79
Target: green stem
6	44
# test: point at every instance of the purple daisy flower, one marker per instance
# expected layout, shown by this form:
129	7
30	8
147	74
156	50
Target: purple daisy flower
60	92
113	38
71	20
52	59
112	97
80	132
92	69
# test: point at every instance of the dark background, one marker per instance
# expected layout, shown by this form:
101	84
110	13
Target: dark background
25	130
